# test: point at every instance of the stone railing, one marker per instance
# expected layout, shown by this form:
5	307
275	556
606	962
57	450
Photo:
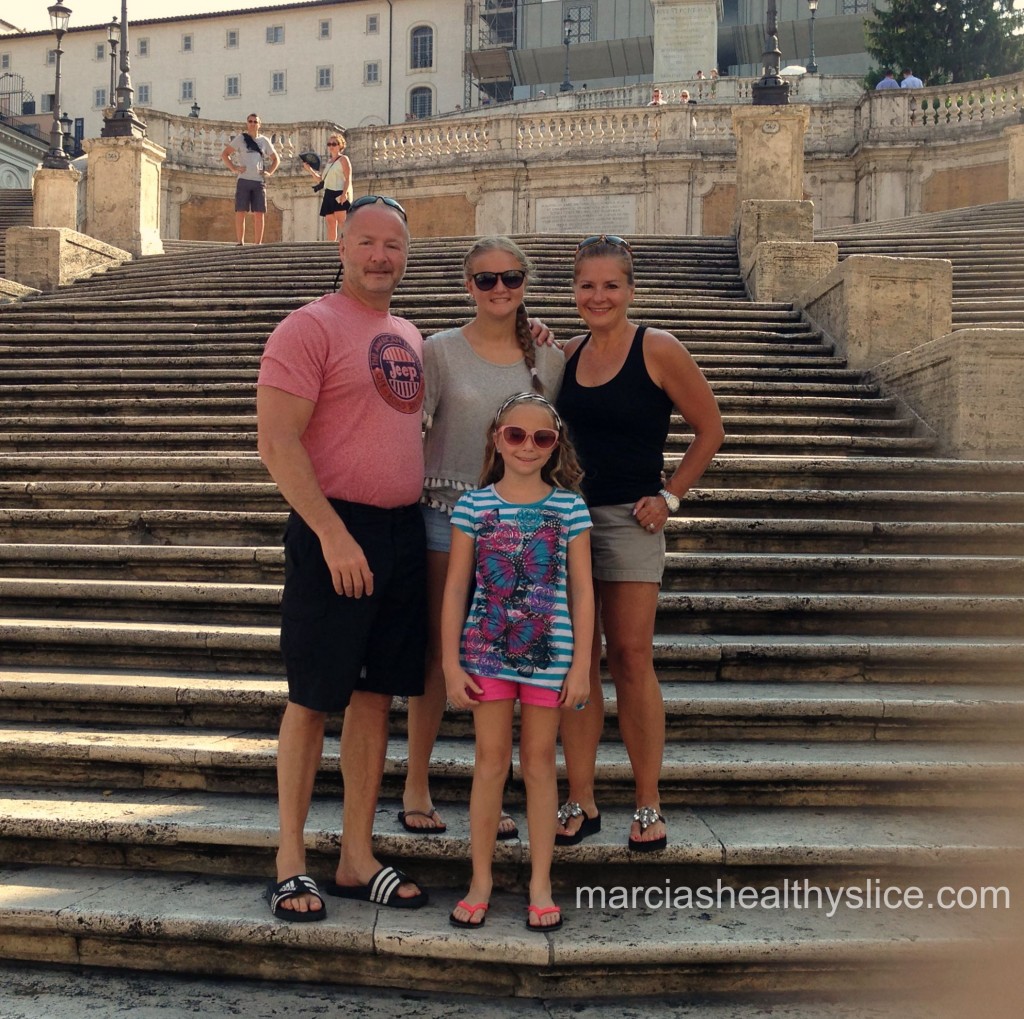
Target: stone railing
617	123
193	144
942	110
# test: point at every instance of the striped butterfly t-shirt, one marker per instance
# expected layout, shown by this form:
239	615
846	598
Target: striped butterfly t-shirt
518	627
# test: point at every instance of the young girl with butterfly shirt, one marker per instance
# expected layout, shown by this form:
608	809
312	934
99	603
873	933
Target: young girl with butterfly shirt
524	539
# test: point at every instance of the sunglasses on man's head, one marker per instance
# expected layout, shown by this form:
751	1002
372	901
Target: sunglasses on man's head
543	438
373	199
513	279
618	242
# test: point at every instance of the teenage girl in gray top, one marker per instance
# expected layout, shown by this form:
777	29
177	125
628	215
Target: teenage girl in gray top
470	371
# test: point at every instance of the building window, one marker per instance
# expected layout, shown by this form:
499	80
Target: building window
325	77
51	57
231	39
5	61
275	34
324	31
855	6
144	94
580	18
46	102
232	86
101	51
371	72
143	45
422	55
188	91
277	81
186	44
372	24
99	98
421	102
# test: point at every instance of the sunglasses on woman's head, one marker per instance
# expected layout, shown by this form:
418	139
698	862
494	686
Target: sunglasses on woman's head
618	242
373	199
513	279
332	145
543	438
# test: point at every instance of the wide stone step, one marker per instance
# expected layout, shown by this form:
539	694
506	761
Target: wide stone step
214	442
775	505
820	534
695	709
679	611
834	536
689	570
727	470
713	773
853	574
232	835
180	923
192	419
202	648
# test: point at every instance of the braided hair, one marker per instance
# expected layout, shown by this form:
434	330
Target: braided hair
523	335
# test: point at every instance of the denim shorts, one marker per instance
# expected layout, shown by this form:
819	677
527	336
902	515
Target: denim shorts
439	529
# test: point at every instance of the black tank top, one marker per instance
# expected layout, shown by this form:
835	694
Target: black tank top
619	428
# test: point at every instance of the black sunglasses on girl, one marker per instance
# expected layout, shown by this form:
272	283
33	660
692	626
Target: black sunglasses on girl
513	279
618	242
543	438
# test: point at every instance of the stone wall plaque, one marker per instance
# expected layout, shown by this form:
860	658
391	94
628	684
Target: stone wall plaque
590	214
685	39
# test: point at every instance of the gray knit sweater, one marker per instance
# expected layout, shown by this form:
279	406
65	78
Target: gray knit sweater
463	392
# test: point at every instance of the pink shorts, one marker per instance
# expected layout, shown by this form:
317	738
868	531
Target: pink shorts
507	690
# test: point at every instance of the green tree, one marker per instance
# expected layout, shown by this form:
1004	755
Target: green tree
955	40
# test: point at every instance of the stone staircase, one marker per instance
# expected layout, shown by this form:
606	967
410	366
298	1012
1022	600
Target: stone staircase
839	643
15	210
982	242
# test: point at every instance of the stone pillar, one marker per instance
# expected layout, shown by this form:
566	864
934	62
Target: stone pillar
55	198
685	38
770	152
965	385
123	193
45	258
1015	146
760	221
874	307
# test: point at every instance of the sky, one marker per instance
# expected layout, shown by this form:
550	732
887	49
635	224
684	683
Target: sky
31	14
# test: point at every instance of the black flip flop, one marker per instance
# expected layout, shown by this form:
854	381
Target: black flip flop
382	889
504	836
435	829
279	892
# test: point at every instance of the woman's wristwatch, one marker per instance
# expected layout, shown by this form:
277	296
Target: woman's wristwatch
672	501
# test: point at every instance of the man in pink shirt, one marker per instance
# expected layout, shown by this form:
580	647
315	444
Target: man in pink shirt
338	407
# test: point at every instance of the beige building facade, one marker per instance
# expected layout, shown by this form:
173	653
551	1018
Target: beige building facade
354	62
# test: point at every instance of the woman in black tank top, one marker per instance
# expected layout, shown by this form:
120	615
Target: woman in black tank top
621	383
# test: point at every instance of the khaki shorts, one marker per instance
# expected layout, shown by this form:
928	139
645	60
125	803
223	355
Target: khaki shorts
621	549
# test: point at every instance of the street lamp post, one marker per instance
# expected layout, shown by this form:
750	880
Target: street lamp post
566	85
770	89
194	112
123	123
812	67
65	133
56	159
113	37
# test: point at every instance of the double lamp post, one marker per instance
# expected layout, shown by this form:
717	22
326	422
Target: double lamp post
56	158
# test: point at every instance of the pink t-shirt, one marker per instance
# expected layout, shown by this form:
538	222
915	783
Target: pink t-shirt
364	371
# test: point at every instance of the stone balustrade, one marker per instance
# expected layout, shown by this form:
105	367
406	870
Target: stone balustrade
618	123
